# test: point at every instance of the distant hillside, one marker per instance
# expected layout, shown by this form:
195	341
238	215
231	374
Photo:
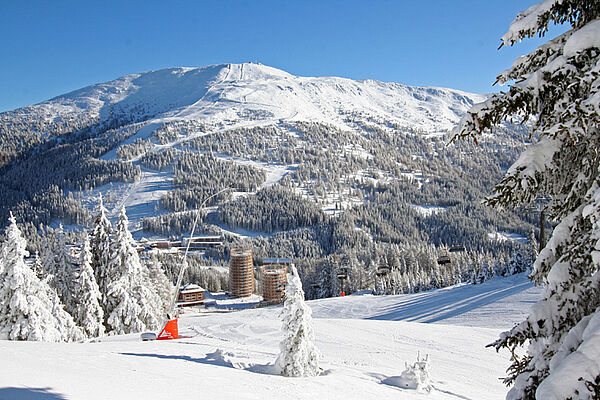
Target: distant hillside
317	166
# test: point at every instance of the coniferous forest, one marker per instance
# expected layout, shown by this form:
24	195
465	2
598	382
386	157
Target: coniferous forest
374	196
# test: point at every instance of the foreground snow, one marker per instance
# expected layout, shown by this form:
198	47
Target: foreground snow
363	340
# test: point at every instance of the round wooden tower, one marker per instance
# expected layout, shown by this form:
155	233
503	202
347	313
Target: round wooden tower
241	273
273	283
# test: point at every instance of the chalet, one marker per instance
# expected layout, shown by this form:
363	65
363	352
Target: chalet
190	295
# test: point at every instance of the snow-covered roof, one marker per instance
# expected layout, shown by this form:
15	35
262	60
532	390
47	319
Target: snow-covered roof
276	261
190	287
204	237
278	271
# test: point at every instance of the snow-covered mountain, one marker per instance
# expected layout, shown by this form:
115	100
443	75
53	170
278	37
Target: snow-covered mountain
238	92
296	153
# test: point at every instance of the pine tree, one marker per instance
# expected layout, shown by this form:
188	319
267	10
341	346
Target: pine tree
100	248
559	84
132	304
29	308
38	267
63	279
48	261
88	314
299	356
518	263
161	285
532	249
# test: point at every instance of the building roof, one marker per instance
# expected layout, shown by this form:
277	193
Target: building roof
204	237
276	261
190	287
278	271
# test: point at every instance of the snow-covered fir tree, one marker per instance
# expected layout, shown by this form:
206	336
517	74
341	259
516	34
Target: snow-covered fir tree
100	248
160	284
559	84
532	249
298	356
29	308
63	279
88	313
38	267
132	304
47	260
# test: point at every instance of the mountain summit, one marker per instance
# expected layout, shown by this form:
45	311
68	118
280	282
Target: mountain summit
315	166
230	92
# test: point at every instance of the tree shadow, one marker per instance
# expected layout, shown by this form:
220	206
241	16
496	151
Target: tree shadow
393	381
14	393
217	358
440	305
222	359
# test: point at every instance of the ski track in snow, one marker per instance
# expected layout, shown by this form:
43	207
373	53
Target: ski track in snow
222	95
364	339
494	304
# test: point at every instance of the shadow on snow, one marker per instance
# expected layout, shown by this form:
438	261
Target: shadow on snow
13	393
438	305
217	358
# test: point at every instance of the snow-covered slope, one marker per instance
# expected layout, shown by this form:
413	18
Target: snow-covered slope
243	92
194	102
228	355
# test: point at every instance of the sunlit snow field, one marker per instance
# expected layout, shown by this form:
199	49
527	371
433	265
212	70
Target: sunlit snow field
364	340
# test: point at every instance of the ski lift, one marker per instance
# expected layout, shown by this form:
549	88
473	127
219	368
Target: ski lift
457	249
342	275
383	270
443	260
170	329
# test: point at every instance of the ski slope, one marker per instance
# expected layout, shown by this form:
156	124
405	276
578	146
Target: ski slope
246	92
363	339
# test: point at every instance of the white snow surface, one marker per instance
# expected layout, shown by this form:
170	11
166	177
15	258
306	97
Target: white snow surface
428	209
365	341
239	93
504	236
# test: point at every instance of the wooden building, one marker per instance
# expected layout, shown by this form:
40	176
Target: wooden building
190	295
241	273
273	273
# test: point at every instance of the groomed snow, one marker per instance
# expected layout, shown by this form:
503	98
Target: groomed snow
365	341
504	236
427	209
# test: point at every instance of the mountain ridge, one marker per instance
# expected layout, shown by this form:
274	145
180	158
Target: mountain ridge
212	92
316	167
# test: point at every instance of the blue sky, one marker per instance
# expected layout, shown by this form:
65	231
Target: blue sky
52	47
